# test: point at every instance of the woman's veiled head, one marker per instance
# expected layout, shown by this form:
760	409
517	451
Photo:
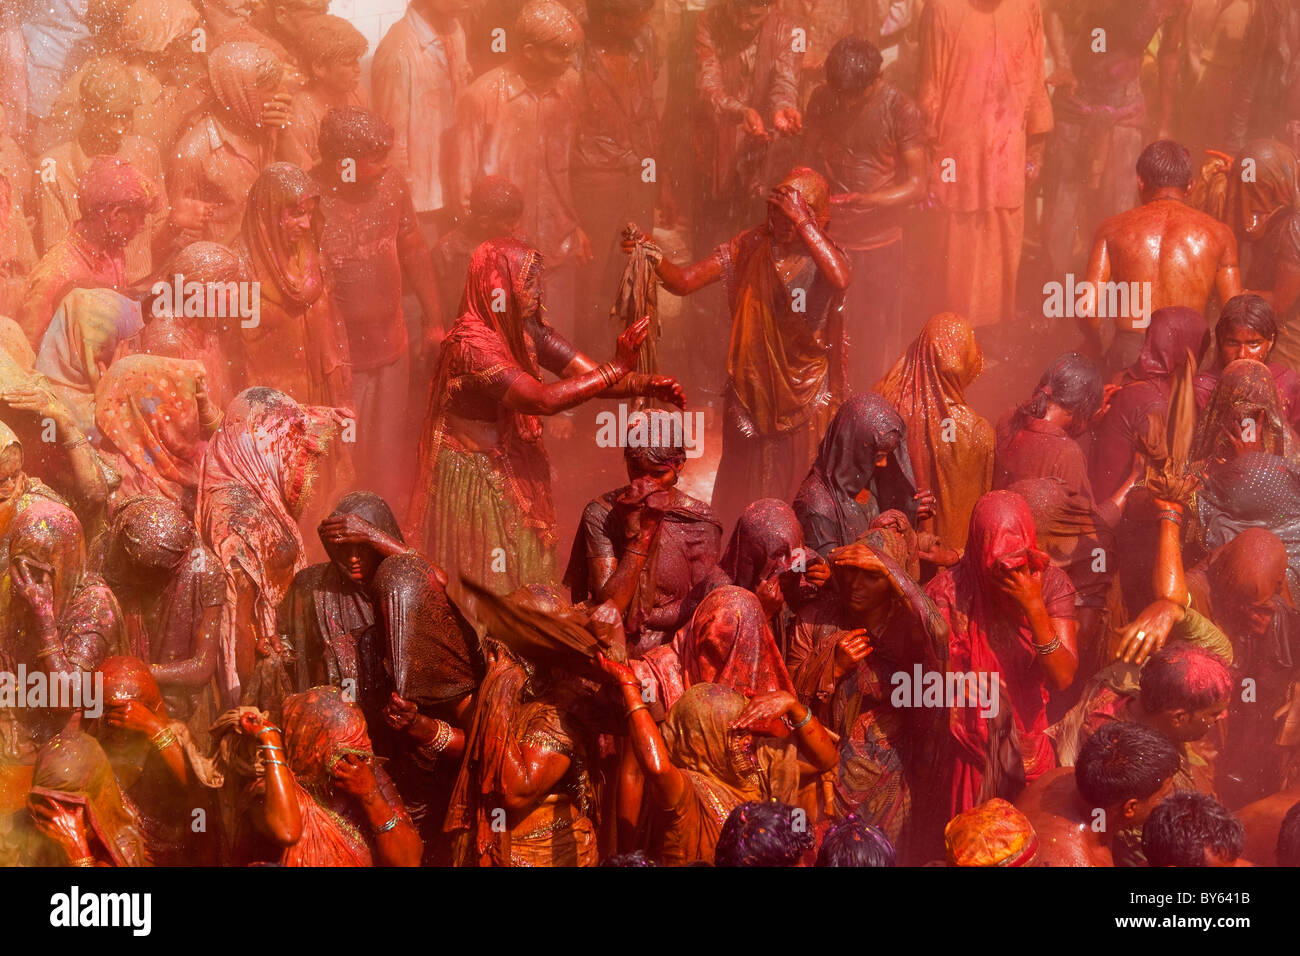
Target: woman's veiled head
1002	536
1244	414
700	739
729	642
766	537
864	433
270	441
320	728
358	561
244	76
1246	577
11	465
1174	331
72	770
47	542
504	292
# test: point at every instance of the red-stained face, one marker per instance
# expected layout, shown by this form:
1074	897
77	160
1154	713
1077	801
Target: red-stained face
552	59
341	77
296	220
749	19
1241	343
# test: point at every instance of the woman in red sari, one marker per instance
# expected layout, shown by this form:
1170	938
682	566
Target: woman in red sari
352	814
255	483
298	344
1010	617
482	503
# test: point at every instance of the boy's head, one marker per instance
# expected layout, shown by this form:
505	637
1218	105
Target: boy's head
1186	689
496	205
852	66
850	842
1192	829
357	136
1125	769
333	49
548	35
766	833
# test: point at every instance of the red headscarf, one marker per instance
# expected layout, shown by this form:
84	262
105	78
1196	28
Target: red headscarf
295	270
989	637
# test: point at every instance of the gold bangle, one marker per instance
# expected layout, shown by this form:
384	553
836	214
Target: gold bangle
633	710
164	738
84	861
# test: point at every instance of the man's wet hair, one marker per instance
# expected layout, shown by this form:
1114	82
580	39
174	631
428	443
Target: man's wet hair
763	833
1124	761
1186	826
1183	676
1288	838
1247	311
617	8
496	197
852	65
1165	163
353	132
853	842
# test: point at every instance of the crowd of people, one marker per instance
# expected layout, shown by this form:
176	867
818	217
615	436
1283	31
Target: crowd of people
287	324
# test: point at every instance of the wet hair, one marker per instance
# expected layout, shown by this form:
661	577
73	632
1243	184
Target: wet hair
851	842
1073	381
1288	838
351	131
1247	311
1183	676
496	197
110	182
665	440
1185	826
635	858
763	833
852	65
329	39
1124	761
1165	163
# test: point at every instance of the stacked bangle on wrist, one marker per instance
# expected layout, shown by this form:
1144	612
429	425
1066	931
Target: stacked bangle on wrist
395	819
609	374
84	861
164	738
1051	647
1173	517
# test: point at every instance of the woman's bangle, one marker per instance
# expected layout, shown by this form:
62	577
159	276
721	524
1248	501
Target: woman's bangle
1171	516
1051	647
84	861
164	738
441	739
641	706
278	763
395	819
270	747
807	716
76	442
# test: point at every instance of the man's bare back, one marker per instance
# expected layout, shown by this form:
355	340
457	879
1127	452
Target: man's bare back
1183	253
1065	834
1262	820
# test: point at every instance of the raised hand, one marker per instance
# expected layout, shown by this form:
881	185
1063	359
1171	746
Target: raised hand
629	343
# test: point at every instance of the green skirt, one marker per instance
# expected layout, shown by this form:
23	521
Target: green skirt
475	529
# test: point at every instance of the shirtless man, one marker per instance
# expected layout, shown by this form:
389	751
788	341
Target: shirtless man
1265	820
1178	256
1123	773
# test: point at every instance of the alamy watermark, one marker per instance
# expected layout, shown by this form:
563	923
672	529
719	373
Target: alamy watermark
82	691
634	429
922	688
214	300
1093	300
